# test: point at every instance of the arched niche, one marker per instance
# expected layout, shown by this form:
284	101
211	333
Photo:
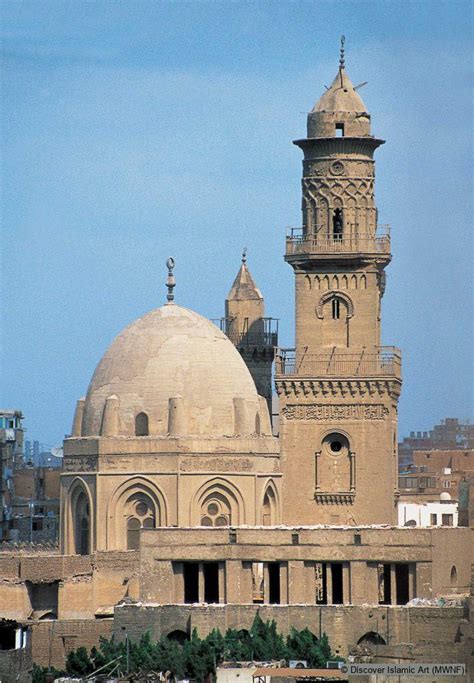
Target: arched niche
371	638
270	507
78	528
136	504
228	502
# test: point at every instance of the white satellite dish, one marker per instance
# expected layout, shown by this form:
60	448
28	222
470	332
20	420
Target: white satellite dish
57	451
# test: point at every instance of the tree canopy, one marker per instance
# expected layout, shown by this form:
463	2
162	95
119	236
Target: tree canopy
196	657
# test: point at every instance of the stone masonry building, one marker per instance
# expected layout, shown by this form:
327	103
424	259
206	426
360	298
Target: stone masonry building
179	507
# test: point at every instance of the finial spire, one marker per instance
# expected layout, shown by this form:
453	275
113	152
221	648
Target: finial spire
244	256
170	282
342	62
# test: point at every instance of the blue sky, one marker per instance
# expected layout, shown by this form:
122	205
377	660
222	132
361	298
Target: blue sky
137	130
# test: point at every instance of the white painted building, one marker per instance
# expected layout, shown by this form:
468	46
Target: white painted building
442	513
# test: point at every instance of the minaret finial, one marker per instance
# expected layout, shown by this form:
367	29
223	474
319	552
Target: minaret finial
244	256
342	62
170	282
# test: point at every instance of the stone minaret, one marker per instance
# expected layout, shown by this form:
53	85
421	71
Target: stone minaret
254	335
339	388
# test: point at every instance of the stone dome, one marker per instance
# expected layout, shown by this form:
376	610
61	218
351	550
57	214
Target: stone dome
180	375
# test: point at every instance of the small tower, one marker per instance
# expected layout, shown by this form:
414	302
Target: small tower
254	335
339	388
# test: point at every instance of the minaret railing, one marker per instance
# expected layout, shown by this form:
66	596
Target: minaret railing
383	361
298	241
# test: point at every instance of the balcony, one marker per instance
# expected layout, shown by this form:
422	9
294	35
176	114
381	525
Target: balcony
261	332
384	362
299	243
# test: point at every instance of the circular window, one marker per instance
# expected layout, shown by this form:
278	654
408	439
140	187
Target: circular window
142	509
336	445
213	508
337	168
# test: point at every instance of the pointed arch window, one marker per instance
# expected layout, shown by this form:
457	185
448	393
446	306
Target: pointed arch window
139	514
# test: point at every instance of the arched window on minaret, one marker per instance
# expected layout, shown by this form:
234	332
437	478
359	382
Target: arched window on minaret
337	224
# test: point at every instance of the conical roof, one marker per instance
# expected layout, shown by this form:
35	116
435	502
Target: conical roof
341	97
244	287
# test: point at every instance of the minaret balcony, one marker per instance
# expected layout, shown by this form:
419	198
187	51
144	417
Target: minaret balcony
384	361
301	243
262	332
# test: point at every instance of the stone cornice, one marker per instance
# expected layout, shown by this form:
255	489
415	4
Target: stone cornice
299	387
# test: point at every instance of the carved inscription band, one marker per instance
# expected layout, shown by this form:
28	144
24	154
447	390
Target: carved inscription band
360	411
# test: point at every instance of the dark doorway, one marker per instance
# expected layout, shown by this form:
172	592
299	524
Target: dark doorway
178	636
7	635
337	589
191	582
402	583
211	582
274	583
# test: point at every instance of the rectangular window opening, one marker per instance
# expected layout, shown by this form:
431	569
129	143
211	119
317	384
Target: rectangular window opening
191	582
447	520
274	583
433	519
385	592
320	578
44	597
211	582
337	589
402	583
257	583
339	130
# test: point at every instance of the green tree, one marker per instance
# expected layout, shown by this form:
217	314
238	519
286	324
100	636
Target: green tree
199	661
78	663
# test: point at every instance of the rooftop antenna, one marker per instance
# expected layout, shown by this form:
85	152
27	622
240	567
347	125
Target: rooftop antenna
244	256
170	282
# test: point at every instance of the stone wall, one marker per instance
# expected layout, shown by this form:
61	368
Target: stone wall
52	640
85	583
431	634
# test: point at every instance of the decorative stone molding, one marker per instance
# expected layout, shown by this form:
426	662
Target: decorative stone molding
334	498
79	464
215	465
338	388
345	411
